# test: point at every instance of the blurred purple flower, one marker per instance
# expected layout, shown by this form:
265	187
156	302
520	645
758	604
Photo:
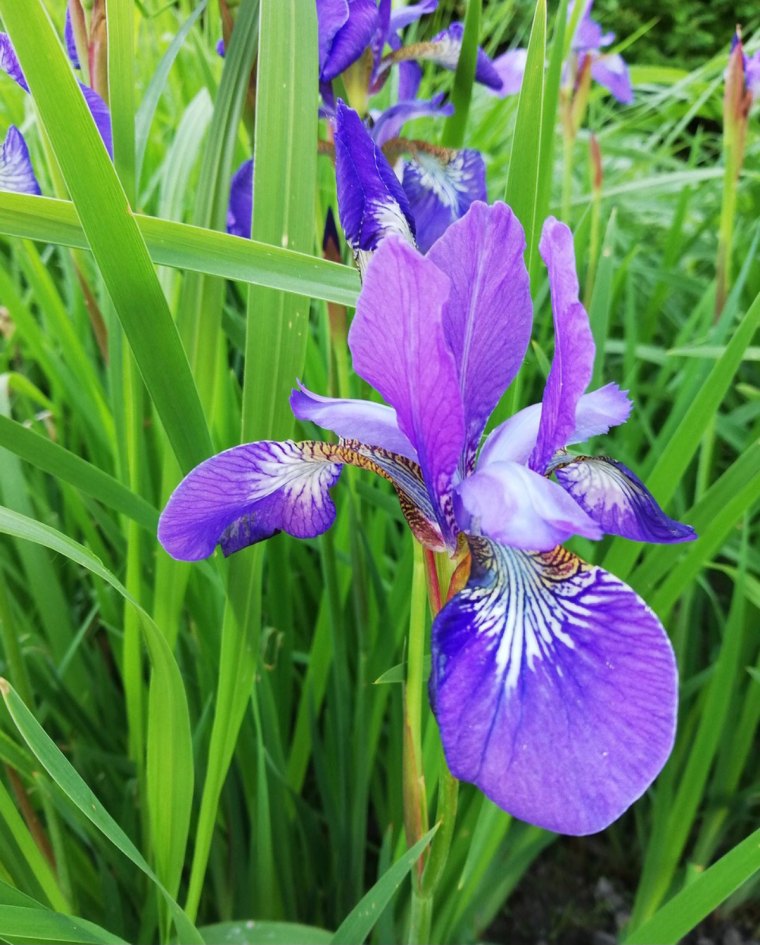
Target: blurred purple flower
98	109
16	172
553	684
608	69
751	66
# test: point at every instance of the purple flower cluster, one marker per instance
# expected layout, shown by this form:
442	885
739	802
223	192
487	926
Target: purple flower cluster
553	684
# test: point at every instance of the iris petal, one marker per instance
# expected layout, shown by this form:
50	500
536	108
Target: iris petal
249	493
100	115
240	207
351	38
441	189
573	359
611	71
554	686
16	172
398	346
619	501
360	420
596	412
510	67
371	201
411	13
69	40
514	505
390	122
445	49
489	313
9	62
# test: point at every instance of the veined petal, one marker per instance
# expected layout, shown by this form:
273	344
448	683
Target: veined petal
332	15
100	115
389	123
409	79
611	71
361	420
398	346
514	506
240	207
489	313
442	189
9	62
445	49
371	201
515	439
16	172
68	38
249	493
411	13
618	500
510	67
350	40
554	686
573	360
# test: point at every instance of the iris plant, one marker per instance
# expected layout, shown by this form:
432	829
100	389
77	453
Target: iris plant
553	684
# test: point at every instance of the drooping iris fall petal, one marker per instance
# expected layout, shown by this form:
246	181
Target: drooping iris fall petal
16	171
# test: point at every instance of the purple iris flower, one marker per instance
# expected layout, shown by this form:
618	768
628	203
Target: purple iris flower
437	188
751	66
70	41
553	684
16	172
240	208
98	109
608	69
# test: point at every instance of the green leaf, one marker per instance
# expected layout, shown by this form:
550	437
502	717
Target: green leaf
704	894
361	920
26	924
461	93
264	933
182	246
110	228
170	789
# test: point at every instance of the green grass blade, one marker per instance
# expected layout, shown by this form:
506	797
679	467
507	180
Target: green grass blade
525	163
361	920
110	228
25	924
461	93
183	246
264	933
704	894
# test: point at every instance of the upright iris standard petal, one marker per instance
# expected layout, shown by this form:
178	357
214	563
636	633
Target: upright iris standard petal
69	40
410	14
345	30
445	49
398	346
752	73
619	501
573	360
488	318
554	686
353	420
513	505
16	172
441	188
611	71
247	494
515	439
9	63
389	123
371	201
240	207
589	36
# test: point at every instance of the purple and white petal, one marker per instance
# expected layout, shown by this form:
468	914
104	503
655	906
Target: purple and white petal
619	501
70	41
371	201
240	207
489	315
611	71
597	411
445	48
9	62
398	346
249	493
388	124
513	505
441	189
510	67
100	115
16	172
554	687
373	424
347	44
410	14
573	360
